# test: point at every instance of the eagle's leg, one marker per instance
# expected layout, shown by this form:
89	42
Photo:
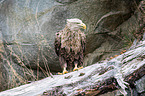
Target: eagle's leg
81	61
64	69
64	66
75	68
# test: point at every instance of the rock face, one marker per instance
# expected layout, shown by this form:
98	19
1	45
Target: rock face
140	85
28	30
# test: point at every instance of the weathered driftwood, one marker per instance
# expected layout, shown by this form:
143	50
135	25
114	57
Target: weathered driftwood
118	73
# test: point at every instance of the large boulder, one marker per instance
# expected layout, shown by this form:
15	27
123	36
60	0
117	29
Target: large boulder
28	30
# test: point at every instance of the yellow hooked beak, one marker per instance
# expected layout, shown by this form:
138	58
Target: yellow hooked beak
83	25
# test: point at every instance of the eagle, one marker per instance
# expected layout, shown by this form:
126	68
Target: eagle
70	45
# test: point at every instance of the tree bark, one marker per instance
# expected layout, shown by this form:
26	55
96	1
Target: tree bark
118	73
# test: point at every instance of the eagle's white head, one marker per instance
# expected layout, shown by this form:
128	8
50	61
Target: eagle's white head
75	24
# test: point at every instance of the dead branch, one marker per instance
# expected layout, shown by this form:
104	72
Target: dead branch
118	73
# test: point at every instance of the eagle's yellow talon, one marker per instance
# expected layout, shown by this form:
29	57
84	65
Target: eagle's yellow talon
80	67
64	72
59	73
75	69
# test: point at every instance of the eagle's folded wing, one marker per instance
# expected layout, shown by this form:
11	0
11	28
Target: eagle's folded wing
57	43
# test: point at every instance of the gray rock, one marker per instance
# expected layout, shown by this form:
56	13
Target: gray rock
28	30
140	85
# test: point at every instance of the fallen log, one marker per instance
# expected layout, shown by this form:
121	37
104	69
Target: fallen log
118	73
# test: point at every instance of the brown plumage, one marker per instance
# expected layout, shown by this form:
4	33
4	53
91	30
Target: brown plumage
70	45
